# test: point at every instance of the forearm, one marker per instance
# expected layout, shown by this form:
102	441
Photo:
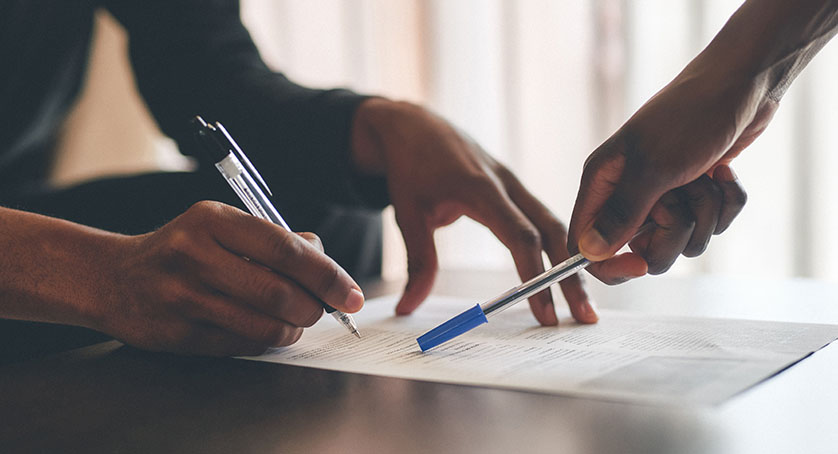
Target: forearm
196	57
50	269
769	42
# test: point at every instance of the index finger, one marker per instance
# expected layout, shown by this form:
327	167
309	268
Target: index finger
555	244
494	209
286	253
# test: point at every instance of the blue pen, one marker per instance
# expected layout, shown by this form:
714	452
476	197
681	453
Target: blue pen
480	313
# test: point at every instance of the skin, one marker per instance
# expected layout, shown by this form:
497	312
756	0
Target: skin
217	281
435	175
200	285
185	288
685	137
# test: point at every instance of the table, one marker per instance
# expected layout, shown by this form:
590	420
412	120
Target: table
110	398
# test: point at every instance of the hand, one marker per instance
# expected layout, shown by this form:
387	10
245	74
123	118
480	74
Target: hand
188	288
668	162
436	174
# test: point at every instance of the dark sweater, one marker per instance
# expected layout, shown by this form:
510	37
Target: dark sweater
189	57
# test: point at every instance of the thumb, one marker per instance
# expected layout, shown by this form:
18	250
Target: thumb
421	262
614	199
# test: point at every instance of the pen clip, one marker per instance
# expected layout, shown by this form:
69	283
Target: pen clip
242	157
207	137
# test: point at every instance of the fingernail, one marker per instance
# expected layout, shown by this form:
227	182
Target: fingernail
593	246
355	301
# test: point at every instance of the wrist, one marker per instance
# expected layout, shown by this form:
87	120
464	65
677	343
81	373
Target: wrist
54	270
769	42
97	277
379	123
83	264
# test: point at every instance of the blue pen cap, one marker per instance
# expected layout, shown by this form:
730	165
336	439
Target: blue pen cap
466	321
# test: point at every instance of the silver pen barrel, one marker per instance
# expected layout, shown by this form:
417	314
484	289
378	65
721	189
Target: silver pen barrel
555	274
248	191
544	280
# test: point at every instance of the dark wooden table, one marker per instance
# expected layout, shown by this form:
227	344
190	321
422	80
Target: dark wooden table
110	398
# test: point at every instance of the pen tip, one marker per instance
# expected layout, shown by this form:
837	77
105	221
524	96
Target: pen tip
357	334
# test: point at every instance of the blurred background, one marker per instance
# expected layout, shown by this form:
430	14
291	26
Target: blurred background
539	83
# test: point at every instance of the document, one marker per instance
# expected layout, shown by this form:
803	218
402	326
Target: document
626	356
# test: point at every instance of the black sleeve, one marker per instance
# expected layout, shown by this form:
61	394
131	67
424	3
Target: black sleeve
195	57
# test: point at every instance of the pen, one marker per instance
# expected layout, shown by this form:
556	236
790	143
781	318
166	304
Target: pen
228	158
480	313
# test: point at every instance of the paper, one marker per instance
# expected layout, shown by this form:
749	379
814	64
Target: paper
625	356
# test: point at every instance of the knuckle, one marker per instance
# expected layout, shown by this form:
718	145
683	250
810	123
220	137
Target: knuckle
556	238
698	197
603	160
589	169
480	184
678	217
702	192
313	239
418	265
713	190
686	222
267	289
504	173
180	244
676	233
205	208
529	239
282	245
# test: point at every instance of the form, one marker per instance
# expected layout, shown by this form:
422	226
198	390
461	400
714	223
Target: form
626	356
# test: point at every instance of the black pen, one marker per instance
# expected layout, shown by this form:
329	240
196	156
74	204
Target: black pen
228	158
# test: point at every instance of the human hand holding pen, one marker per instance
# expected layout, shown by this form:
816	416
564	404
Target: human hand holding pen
186	288
679	145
